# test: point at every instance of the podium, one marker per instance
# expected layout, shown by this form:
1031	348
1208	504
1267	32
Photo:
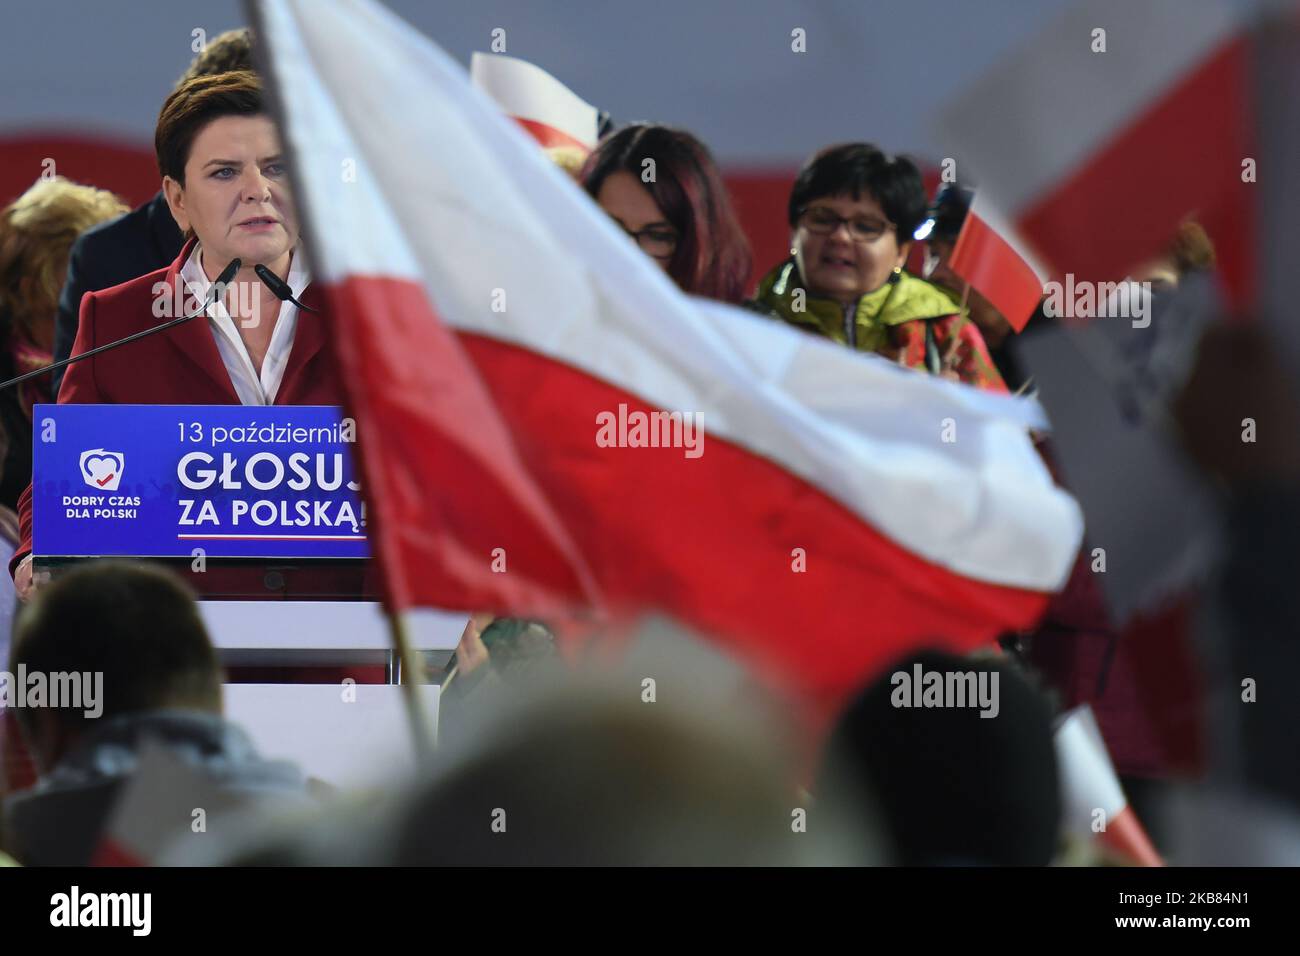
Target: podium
258	509
300	615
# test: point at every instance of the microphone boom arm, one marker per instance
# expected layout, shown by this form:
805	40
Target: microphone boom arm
221	281
101	348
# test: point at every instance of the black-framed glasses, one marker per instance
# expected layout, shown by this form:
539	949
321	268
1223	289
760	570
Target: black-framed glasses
657	242
822	221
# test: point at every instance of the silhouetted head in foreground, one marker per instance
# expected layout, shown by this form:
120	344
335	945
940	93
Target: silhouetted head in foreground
959	755
137	628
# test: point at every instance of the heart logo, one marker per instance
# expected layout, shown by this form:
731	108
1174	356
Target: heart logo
102	469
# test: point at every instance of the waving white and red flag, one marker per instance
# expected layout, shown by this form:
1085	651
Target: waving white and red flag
1099	135
551	112
1095	804
543	417
990	256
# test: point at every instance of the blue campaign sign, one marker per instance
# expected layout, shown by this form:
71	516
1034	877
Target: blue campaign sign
237	481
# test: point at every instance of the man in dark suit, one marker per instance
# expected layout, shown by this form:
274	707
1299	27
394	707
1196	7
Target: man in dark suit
144	239
109	254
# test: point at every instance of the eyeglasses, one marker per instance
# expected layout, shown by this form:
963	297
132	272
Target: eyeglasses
655	241
822	222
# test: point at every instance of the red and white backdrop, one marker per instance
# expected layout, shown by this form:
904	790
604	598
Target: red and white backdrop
83	80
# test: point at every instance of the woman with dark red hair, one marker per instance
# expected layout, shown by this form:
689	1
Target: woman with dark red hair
661	185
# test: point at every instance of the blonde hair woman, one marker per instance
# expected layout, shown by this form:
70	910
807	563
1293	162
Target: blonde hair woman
36	234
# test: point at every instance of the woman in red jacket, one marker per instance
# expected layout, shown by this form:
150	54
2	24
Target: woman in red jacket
226	185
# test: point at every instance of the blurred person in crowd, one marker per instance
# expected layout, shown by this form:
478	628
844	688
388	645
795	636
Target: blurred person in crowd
662	187
144	239
226	184
1249	628
604	779
495	649
36	232
571	159
140	628
1141	687
493	652
592	765
1075	647
1190	251
1246	809
955	787
853	211
1240	375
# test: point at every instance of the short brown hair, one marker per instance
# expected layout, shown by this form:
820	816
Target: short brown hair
232	50
196	103
37	231
138	625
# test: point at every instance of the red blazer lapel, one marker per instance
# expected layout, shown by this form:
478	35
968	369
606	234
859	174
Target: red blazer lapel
194	339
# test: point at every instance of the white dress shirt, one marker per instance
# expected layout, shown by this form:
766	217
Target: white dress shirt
251	388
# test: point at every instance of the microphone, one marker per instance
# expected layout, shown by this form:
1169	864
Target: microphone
218	285
227	274
279	287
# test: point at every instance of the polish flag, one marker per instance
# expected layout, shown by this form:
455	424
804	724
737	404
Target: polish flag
991	258
552	113
167	801
1093	800
1098	136
830	511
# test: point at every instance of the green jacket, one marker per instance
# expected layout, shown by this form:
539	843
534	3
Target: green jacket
896	302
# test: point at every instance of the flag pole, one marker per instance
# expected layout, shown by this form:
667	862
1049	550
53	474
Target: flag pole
412	677
956	339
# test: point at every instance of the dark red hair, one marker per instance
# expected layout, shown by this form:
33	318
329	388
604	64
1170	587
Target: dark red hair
712	257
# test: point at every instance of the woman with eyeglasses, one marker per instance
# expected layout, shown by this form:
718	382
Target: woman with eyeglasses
661	185
853	211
